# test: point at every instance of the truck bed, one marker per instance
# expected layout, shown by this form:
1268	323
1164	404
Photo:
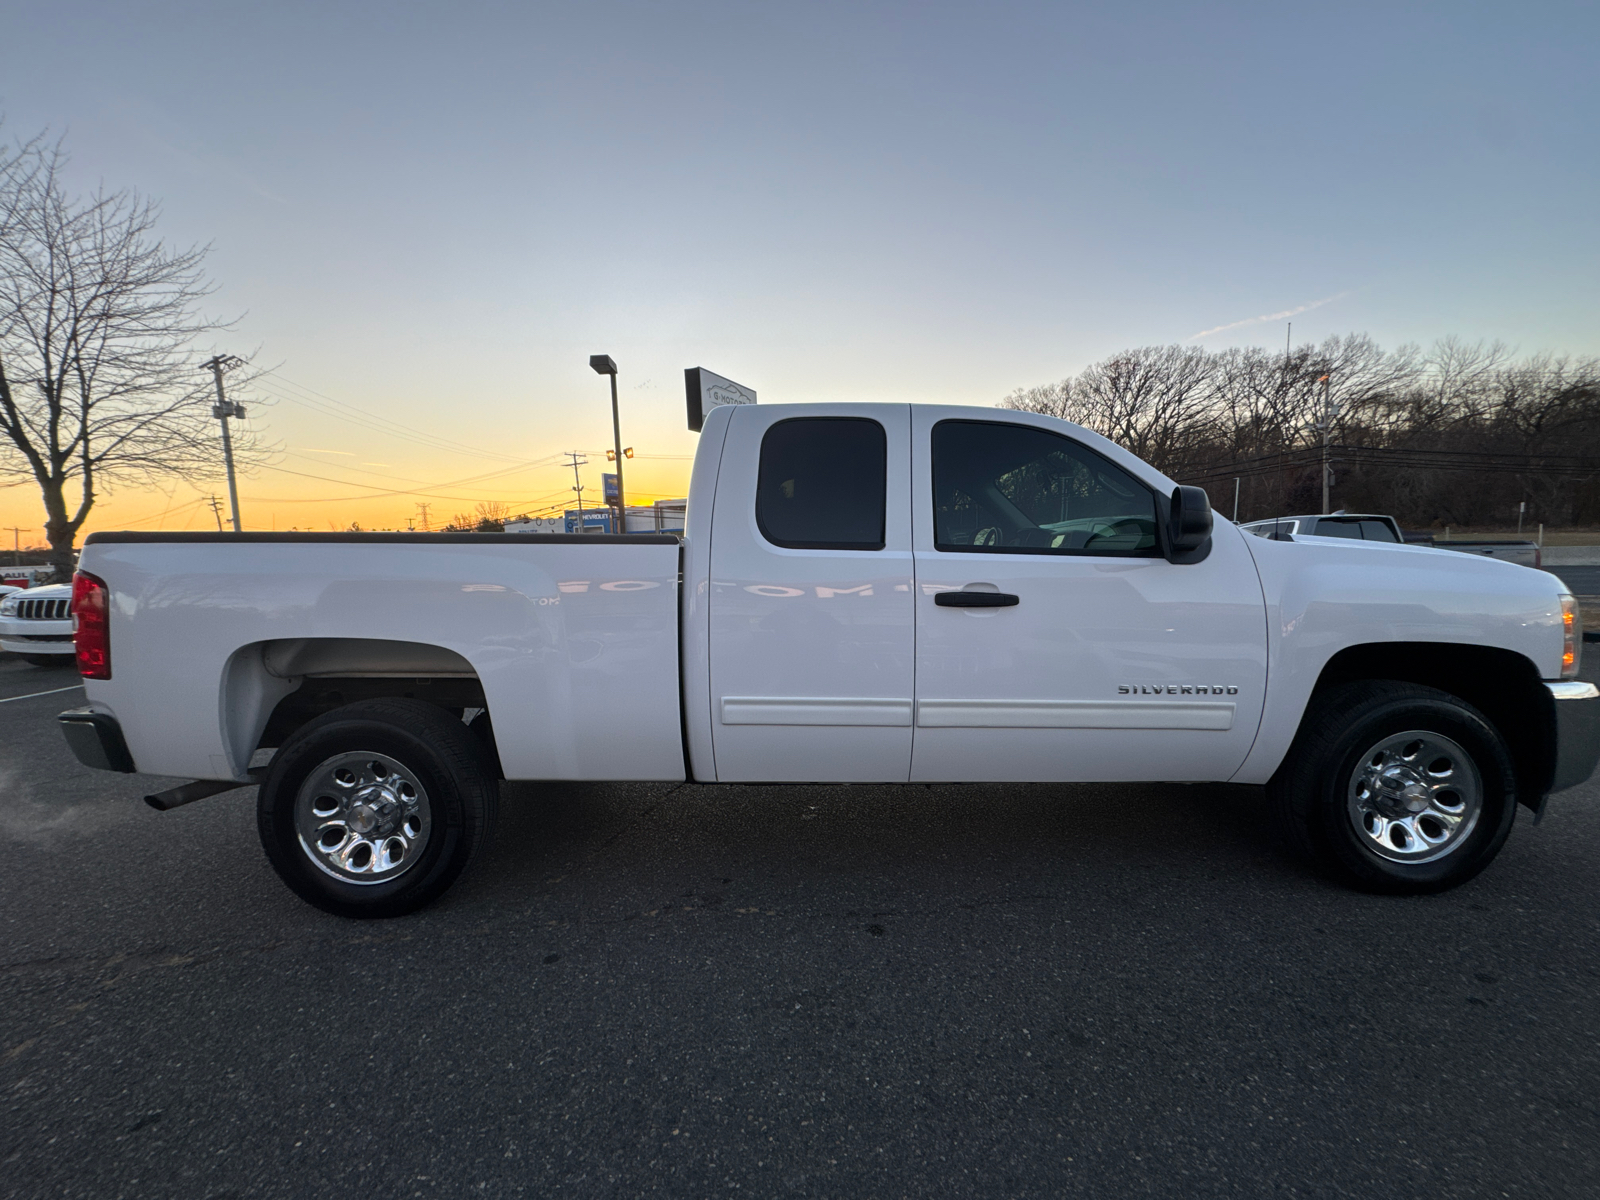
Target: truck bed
572	638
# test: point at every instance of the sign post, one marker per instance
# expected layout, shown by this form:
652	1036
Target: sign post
610	489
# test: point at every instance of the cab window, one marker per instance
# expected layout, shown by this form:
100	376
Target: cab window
1344	529
823	484
1015	489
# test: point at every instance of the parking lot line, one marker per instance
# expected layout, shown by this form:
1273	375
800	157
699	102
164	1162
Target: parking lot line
34	695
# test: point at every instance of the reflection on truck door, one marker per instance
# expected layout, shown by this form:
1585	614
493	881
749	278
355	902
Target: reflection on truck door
811	608
1111	663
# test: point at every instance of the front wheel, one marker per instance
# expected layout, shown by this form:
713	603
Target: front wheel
375	809
1395	787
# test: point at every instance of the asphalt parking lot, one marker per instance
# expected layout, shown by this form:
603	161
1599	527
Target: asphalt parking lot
864	991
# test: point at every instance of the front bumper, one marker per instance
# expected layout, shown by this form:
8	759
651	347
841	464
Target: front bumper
37	646
1577	732
35	637
96	738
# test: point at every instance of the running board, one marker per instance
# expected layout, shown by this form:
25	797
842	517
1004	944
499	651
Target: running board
188	793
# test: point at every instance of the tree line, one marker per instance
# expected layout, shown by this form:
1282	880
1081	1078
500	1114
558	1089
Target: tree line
1459	434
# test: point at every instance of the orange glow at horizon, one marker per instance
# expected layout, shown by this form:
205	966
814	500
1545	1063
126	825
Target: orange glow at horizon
273	498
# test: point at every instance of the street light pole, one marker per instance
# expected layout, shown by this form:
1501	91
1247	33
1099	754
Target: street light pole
222	410
603	364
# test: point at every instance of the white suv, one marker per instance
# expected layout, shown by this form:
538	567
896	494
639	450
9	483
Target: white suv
37	624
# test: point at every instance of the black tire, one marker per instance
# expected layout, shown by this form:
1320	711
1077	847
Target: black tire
49	660
1311	794
419	739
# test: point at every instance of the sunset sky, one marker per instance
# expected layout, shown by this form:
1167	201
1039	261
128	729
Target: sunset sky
426	218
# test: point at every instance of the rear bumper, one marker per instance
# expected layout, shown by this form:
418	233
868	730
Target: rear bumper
1577	732
96	738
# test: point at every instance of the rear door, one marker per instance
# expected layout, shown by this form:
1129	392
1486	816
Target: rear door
812	621
1100	659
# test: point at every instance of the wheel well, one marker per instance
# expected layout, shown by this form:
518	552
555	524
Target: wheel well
327	673
1502	684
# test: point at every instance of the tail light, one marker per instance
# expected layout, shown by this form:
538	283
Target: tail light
1571	637
91	625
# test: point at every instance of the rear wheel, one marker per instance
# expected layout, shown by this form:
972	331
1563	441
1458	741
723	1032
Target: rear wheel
375	809
1396	787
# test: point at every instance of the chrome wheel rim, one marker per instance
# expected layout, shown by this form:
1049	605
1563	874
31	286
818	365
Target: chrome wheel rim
362	817
1414	797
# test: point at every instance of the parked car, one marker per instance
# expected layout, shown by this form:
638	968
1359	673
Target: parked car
37	624
865	593
1374	527
1370	527
1523	553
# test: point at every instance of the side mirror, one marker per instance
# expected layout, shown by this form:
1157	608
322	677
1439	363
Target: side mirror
1189	527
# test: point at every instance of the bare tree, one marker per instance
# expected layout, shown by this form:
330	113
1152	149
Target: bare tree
1155	400
98	320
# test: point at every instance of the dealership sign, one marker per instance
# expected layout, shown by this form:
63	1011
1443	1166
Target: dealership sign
706	389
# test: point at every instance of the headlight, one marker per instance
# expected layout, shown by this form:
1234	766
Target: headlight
1571	637
8	606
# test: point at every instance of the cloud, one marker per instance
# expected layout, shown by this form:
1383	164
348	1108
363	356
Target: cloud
1261	320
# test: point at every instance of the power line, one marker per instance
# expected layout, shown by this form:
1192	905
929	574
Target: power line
498	472
377	492
287	389
1570	466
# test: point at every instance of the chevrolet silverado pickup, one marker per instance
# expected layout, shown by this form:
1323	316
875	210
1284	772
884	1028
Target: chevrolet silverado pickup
863	593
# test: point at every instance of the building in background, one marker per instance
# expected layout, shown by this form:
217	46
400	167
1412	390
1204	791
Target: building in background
664	516
537	525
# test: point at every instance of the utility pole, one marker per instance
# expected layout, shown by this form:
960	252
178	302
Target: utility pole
216	511
424	510
1328	413
577	461
16	545
603	364
222	410
1236	499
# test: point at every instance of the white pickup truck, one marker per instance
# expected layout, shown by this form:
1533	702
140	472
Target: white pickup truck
864	593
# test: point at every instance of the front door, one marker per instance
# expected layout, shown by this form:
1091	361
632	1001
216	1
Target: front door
1096	658
812	621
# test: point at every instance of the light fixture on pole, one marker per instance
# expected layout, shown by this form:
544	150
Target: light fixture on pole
604	365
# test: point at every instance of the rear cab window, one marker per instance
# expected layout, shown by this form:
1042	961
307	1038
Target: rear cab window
823	484
1341	529
1378	531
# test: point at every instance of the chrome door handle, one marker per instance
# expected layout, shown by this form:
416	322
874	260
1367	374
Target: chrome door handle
975	599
